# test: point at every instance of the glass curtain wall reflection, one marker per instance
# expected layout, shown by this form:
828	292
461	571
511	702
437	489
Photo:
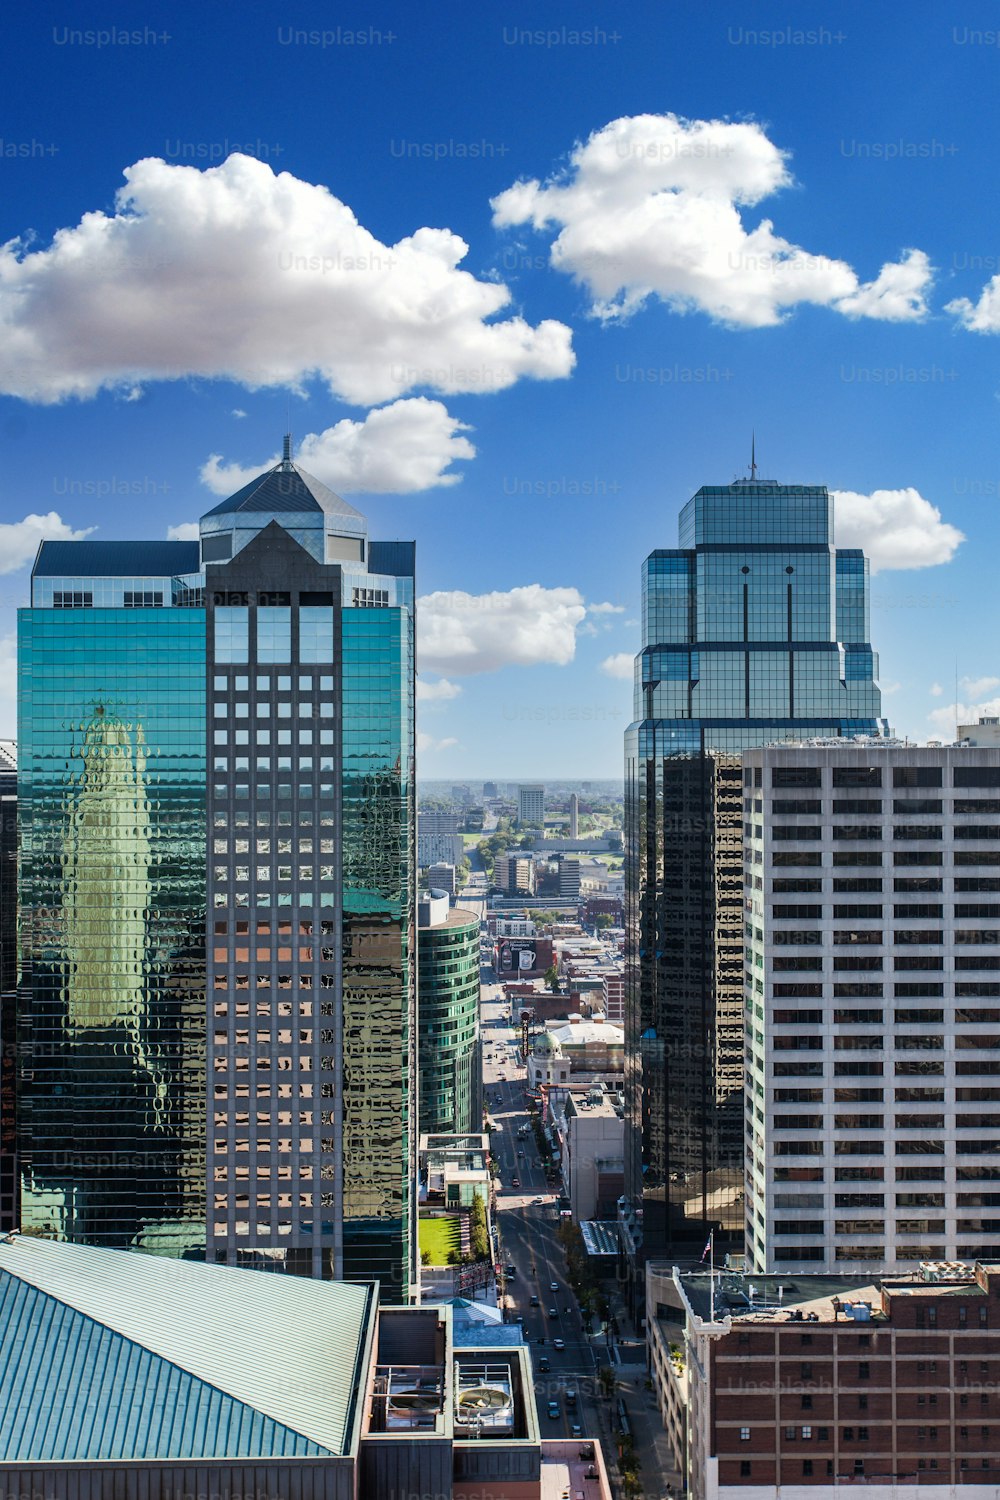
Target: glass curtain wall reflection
755	629
112	895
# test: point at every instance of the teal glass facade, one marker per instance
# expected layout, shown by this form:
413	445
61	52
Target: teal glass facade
755	630
378	948
450	1057
111	1023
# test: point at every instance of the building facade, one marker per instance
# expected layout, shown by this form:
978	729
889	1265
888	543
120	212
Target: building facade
450	1051
9	1188
813	1386
112	896
754	629
218	798
531	805
872	895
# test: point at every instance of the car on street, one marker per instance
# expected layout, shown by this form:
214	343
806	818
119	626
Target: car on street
570	1394
558	1343
576	1430
543	1365
534	1302
553	1410
553	1312
553	1286
515	1182
539	1200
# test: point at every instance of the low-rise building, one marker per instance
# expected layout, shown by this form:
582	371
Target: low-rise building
441	877
808	1385
592	1153
585	1051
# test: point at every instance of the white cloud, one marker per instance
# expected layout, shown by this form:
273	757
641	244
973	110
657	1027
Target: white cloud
436	692
946	719
935	690
622	665
239	273
982	316
397	449
185	531
977	686
888	688
896	528
463	633
426	742
605	609
651	206
19	539
238	411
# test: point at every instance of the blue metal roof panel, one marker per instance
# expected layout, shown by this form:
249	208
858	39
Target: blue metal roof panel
75	1391
199	1338
115	559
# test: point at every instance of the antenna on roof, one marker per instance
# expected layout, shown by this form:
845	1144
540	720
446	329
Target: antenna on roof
753	455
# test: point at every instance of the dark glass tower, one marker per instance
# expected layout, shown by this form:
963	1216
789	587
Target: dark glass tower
218	797
754	630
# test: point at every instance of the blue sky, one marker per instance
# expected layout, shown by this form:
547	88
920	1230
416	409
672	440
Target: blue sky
774	218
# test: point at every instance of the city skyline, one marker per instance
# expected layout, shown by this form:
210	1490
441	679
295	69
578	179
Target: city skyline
555	380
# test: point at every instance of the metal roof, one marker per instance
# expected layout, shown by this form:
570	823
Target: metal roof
284	488
109	1353
116	559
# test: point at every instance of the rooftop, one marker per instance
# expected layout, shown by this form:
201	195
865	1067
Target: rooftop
285	488
163	1358
116	559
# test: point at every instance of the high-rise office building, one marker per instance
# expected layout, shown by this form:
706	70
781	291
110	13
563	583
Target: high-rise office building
574	816
218	797
531	805
9	1196
449	1053
755	629
872	896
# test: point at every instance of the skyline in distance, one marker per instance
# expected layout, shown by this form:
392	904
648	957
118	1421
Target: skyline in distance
523	336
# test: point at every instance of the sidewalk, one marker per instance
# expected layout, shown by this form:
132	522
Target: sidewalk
660	1480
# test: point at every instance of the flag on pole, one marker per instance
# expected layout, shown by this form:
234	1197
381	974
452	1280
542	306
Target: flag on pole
707	1248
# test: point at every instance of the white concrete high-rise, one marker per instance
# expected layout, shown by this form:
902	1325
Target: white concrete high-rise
872	1019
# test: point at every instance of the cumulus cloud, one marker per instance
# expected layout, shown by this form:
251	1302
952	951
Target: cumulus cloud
19	539
605	609
241	273
935	690
897	528
653	206
945	720
185	531
976	687
622	665
397	449
426	742
436	692
463	633
982	316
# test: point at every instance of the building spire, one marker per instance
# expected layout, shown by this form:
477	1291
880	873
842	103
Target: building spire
753	455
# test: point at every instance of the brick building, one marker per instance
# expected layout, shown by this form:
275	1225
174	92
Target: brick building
813	1382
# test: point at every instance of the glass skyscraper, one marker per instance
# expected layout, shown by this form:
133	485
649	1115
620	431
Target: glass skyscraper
217	885
755	629
449	1052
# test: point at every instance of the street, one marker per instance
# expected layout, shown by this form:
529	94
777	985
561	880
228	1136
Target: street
528	1236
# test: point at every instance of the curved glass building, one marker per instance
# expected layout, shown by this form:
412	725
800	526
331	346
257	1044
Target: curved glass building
755	630
449	1053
